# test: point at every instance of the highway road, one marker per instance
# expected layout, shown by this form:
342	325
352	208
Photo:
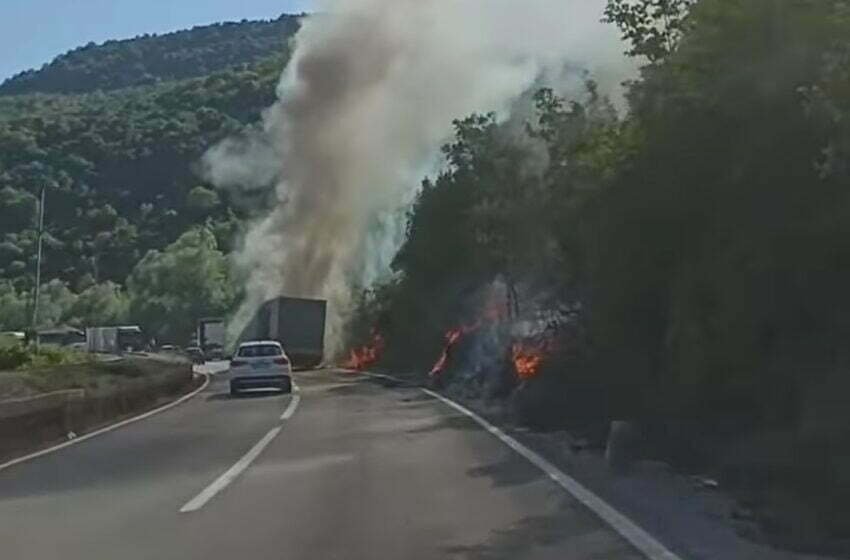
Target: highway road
358	468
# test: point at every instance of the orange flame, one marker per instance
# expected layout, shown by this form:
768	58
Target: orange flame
366	356
528	359
452	338
495	312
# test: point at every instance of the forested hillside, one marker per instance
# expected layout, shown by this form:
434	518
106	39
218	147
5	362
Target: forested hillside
121	172
152	59
700	240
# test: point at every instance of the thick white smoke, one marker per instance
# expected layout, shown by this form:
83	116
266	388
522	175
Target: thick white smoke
363	108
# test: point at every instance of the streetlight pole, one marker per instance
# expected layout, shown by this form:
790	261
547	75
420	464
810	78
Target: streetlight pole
34	323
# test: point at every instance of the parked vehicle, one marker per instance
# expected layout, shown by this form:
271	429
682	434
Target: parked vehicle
12	337
195	354
260	364
214	352
61	336
210	338
297	324
114	340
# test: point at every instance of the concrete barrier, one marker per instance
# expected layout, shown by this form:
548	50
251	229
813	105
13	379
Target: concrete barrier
29	423
30	405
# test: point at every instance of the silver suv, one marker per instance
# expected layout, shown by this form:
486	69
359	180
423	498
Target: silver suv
260	364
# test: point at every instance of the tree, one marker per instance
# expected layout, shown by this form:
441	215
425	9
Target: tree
707	233
17	209
170	290
55	302
715	277
202	199
120	167
13	308
653	27
100	305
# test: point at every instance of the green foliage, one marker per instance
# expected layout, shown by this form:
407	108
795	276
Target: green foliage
13	308
499	207
505	207
202	199
100	305
151	59
20	357
653	27
120	170
55	301
729	223
118	153
170	290
705	237
47	356
17	209
14	356
94	305
730	200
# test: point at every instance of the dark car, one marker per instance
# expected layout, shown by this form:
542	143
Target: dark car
214	352
195	354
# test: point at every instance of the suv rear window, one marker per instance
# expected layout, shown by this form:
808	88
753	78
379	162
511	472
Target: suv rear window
259	351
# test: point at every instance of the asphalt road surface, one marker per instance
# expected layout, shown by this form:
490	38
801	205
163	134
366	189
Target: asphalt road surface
359	469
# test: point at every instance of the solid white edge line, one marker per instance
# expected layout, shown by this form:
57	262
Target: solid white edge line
640	539
293	404
109	428
231	474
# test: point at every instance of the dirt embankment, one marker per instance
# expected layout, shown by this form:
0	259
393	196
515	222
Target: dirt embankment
43	406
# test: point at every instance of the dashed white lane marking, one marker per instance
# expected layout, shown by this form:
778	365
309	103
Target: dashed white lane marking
233	472
230	475
640	539
108	429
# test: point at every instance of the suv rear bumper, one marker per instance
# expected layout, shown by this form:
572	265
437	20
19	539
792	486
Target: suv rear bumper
282	382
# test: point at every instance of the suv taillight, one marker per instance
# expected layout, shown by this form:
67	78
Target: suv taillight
281	361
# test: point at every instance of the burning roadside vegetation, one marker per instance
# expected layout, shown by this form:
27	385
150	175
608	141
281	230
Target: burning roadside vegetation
526	354
528	358
494	359
365	356
705	307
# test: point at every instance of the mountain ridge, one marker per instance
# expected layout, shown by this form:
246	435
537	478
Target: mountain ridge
152	59
121	165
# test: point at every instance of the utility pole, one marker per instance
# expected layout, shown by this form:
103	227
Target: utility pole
34	323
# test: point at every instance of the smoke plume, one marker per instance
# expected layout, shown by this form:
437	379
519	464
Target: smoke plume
364	106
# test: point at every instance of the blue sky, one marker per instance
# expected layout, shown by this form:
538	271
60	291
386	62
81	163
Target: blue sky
33	32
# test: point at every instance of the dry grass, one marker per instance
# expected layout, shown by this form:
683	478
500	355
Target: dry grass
85	374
